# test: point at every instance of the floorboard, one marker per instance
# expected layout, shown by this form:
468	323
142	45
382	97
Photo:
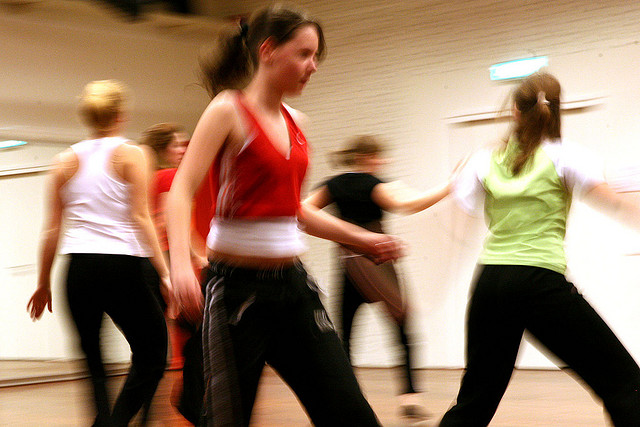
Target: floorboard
534	398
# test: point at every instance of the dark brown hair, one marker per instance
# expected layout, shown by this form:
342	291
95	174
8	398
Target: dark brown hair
361	145
538	101
234	58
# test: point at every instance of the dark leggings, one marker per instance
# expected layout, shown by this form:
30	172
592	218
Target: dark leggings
114	284
352	299
253	317
509	299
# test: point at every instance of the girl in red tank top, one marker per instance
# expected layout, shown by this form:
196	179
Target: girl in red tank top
261	306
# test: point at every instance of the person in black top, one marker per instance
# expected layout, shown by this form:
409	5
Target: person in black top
361	198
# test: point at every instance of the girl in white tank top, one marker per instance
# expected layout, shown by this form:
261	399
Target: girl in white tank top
99	188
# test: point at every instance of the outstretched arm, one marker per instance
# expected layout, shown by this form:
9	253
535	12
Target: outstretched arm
621	207
398	197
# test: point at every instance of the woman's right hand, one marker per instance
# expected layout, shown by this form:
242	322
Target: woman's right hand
187	293
379	247
199	262
40	300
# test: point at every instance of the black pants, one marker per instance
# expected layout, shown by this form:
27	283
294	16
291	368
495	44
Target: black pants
352	299
114	284
152	278
509	299
253	317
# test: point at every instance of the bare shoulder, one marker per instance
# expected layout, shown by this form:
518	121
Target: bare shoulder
65	165
128	152
67	157
223	104
147	151
301	119
221	121
128	157
150	157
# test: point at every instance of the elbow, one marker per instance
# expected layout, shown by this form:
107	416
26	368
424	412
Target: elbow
409	210
306	206
400	208
177	198
304	212
140	219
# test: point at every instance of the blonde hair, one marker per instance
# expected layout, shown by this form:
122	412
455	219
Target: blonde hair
101	102
361	145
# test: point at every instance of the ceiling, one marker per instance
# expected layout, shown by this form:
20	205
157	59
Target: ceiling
173	18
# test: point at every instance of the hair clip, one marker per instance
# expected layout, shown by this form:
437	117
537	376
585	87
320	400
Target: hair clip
542	98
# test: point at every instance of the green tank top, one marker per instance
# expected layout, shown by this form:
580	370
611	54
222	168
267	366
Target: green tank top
526	213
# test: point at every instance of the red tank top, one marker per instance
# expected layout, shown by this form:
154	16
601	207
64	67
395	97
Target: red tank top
162	180
260	182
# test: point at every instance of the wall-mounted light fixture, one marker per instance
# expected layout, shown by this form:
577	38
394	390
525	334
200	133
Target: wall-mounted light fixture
517	69
11	143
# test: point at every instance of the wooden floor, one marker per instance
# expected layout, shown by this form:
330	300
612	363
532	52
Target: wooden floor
534	398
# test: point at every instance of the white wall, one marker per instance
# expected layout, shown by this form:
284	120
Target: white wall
416	73
49	52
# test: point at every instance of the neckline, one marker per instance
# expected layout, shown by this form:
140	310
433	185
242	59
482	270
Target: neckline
254	118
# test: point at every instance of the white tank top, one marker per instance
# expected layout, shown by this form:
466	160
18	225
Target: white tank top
97	206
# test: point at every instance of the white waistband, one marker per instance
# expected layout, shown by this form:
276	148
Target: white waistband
268	238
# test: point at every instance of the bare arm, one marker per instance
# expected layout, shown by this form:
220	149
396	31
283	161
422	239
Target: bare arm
380	247
49	238
150	162
197	256
135	171
623	208
211	132
320	224
398	197
320	198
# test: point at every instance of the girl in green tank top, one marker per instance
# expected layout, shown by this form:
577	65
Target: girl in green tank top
526	188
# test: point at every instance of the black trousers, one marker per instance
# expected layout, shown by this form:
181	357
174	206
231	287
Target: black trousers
352	299
509	299
114	284
253	317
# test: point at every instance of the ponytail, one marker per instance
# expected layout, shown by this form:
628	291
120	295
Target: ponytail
229	65
538	101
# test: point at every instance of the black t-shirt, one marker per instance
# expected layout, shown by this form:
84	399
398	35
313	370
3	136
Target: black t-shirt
352	193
